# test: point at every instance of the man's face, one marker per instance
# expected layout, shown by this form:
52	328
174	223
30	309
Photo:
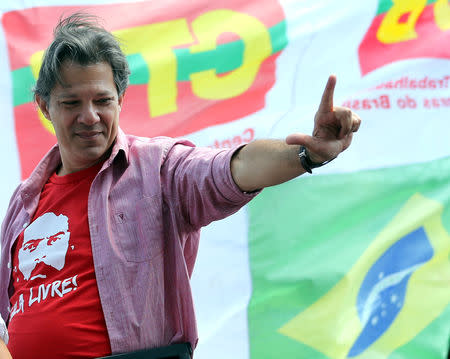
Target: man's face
85	114
45	240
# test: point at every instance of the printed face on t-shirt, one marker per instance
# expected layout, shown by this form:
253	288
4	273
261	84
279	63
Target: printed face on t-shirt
45	240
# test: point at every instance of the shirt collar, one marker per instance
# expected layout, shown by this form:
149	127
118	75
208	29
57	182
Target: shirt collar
33	185
120	145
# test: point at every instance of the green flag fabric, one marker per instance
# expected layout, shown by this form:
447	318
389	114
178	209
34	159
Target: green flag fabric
371	284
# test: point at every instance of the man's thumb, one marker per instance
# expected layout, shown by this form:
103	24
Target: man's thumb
299	139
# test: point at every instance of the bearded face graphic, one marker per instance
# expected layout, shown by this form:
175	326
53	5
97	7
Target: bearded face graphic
45	240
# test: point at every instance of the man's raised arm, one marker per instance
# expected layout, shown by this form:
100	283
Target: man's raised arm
264	163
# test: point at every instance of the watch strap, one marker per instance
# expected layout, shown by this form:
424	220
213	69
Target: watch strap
306	162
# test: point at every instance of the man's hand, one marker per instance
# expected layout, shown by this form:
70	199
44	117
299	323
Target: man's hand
264	163
333	128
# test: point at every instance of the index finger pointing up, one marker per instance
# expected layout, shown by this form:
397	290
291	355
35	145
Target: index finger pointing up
326	104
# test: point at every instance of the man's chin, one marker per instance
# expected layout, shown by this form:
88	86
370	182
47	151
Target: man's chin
38	271
93	154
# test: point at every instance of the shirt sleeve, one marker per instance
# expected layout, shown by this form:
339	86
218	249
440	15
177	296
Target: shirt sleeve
199	180
3	331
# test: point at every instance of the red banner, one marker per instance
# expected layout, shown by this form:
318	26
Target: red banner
407	30
194	64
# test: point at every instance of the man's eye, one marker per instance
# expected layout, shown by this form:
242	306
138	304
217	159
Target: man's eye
70	103
54	238
104	101
31	245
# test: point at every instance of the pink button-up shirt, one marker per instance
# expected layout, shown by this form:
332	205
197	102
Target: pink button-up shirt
145	209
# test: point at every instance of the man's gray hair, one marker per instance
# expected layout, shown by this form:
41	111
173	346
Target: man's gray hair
79	38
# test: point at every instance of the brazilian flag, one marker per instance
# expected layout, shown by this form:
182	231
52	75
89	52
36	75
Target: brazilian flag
371	284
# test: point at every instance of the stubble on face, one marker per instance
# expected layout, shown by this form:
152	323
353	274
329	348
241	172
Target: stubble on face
84	111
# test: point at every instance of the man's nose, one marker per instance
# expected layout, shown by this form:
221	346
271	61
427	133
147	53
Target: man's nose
88	115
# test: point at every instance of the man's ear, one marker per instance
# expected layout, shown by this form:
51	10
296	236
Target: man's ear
120	100
43	106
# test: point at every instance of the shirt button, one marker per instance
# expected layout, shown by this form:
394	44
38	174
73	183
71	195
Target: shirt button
24	225
9	265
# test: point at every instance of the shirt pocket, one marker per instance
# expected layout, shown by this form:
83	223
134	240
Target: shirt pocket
140	229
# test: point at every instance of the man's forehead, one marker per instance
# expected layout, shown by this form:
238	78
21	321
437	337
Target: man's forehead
68	91
43	228
93	78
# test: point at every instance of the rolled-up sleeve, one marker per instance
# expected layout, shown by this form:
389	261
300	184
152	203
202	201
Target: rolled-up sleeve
200	179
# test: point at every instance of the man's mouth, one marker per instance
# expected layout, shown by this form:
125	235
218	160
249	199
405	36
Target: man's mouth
38	276
88	135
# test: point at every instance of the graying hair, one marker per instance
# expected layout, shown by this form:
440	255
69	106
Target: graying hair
79	38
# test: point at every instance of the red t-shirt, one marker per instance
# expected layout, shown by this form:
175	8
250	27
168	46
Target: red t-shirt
56	310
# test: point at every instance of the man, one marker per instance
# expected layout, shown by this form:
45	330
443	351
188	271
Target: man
133	207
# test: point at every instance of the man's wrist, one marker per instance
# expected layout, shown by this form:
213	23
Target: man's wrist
307	163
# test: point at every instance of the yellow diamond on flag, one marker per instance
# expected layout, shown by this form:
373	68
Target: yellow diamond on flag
399	285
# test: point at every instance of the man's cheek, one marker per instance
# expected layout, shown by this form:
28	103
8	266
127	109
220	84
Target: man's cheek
26	255
56	249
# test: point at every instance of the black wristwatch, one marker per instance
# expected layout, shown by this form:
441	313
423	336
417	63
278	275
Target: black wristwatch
306	162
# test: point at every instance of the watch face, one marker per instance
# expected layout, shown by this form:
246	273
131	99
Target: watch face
306	162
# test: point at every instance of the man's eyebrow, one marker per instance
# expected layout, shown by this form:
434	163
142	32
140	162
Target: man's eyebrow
105	93
64	96
69	94
32	239
73	95
56	235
